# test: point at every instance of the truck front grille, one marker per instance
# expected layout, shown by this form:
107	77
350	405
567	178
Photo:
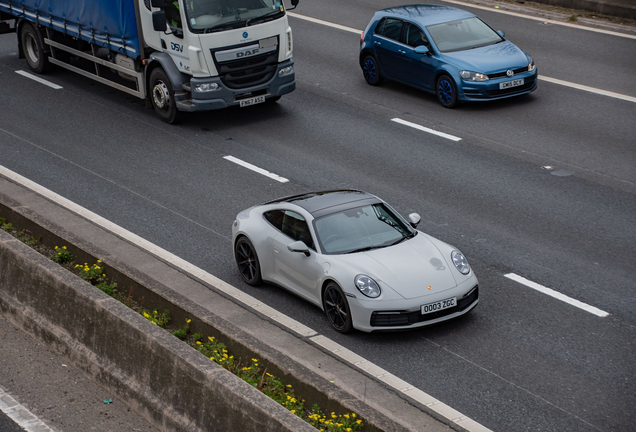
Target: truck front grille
248	71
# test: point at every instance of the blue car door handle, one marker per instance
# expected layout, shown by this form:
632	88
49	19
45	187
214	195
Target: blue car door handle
402	51
377	43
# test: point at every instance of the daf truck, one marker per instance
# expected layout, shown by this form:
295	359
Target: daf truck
178	55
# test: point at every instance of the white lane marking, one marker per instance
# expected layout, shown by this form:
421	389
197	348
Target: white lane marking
256	169
552	80
38	79
425	129
557	295
327	23
20	415
445	411
589	89
520	15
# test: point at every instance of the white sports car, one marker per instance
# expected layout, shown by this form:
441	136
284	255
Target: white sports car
351	254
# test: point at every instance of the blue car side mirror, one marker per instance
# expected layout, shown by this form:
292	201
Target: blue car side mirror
501	33
421	50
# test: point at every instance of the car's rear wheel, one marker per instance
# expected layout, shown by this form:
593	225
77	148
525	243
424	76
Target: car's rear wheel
247	261
371	71
337	308
446	91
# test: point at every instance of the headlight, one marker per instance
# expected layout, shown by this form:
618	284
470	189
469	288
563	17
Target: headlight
531	65
286	71
473	76
367	286
460	262
206	87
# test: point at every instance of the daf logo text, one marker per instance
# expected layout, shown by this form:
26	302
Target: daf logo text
247	53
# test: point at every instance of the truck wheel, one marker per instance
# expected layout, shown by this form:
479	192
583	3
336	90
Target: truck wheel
162	97
33	49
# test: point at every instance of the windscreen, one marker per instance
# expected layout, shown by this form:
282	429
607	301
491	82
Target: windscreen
216	15
462	35
359	229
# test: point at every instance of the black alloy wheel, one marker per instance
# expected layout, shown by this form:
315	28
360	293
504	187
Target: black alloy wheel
247	261
337	308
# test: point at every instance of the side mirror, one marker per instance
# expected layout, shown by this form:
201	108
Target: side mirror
501	33
421	50
158	3
294	4
298	246
414	219
159	22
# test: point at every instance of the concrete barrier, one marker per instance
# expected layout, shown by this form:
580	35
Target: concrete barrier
161	377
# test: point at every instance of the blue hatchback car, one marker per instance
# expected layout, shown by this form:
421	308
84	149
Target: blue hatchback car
446	51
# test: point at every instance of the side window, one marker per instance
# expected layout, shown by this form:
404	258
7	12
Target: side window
414	36
392	29
380	27
275	217
295	227
173	14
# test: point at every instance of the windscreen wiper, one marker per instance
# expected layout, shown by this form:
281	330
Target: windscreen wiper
225	26
263	18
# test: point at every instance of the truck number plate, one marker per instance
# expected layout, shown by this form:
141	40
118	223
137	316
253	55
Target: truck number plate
252	101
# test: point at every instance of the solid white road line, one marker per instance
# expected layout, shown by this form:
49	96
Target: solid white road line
425	129
557	295
552	80
38	79
443	410
256	169
20	415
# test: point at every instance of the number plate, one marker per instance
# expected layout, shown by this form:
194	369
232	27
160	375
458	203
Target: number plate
252	101
513	83
438	306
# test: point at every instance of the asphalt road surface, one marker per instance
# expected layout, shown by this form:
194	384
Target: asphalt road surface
522	360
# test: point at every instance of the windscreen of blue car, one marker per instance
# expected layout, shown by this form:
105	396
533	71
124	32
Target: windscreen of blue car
462	35
361	228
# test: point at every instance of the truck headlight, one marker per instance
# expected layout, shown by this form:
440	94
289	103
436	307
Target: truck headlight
473	76
206	87
286	71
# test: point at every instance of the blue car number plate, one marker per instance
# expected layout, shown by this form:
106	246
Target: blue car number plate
513	83
252	101
438	306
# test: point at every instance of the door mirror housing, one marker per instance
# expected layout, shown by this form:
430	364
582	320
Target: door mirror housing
298	246
501	33
294	4
414	219
422	49
159	22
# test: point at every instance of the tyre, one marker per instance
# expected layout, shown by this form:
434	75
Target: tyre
370	71
33	49
162	97
247	261
446	91
337	309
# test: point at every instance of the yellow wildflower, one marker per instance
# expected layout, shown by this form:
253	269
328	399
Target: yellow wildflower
198	343
98	261
63	247
55	247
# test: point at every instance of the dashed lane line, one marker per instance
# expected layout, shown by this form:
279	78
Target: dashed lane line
256	169
425	129
38	79
557	295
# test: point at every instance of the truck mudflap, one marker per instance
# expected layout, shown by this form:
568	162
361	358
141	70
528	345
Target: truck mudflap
211	93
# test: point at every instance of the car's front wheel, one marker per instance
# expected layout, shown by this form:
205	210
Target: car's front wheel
337	309
247	261
446	91
371	71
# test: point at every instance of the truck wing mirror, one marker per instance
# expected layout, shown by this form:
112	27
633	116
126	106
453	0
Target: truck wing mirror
158	3
294	4
159	22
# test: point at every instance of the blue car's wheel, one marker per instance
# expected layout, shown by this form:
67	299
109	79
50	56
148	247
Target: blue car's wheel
370	71
446	91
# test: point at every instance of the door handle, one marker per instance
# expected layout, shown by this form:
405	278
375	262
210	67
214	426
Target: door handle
402	51
377	43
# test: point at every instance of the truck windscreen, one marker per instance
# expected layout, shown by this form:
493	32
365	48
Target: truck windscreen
206	16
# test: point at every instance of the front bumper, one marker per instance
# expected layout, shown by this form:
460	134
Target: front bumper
369	315
225	97
489	90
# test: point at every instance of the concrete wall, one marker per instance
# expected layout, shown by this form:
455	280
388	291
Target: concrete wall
622	8
161	377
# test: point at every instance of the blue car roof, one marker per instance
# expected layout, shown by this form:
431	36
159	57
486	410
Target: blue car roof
426	14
